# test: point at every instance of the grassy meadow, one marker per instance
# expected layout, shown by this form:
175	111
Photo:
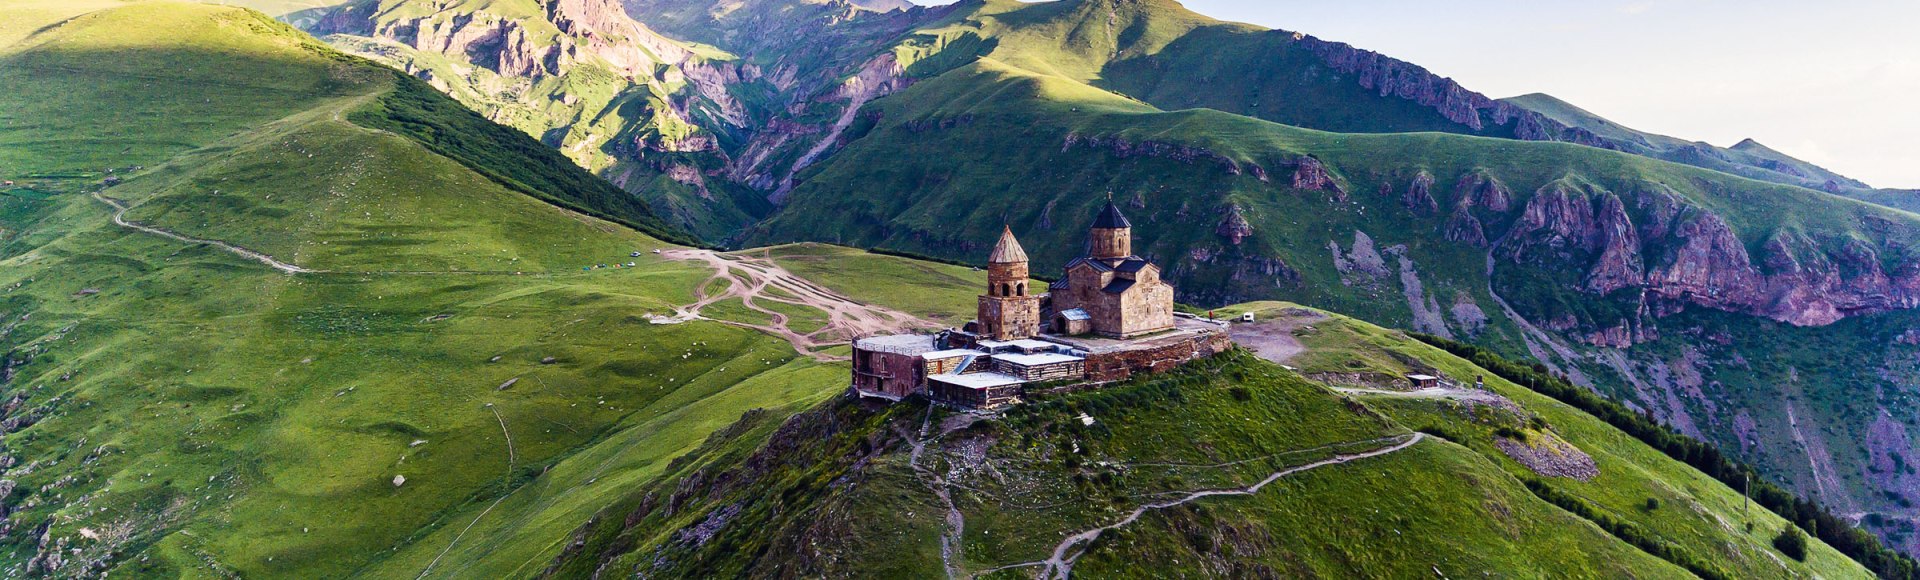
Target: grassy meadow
449	394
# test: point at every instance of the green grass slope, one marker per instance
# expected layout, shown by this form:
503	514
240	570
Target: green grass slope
942	493
1696	512
176	409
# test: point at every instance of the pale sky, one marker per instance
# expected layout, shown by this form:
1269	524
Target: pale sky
1835	82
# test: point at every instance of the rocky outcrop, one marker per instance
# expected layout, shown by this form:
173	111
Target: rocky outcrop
1234	226
1310	174
1396	78
1484	191
353	18
1619	265
1361	264
1467	315
1462	227
1419	196
690	176
1551	456
881	76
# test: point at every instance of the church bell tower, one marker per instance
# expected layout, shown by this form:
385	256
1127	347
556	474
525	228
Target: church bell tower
1111	237
1008	311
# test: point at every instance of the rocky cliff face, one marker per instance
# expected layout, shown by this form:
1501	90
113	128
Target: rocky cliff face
1680	255
567	33
1394	77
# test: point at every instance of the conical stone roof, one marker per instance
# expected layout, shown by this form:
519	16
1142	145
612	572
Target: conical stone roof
1110	218
1008	250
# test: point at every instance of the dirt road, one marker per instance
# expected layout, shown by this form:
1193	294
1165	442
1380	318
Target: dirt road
1273	339
753	279
119	219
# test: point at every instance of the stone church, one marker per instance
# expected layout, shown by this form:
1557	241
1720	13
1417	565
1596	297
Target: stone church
1109	317
1108	292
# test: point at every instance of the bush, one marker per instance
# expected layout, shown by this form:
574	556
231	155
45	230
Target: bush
1792	543
1653	504
1443	432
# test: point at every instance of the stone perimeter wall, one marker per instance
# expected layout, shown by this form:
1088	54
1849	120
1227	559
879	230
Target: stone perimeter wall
1114	366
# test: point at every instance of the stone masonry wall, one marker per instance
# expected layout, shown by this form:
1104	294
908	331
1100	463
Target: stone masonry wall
1114	366
1009	318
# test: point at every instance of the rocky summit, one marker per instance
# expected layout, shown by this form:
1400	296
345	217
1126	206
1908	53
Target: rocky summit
866	288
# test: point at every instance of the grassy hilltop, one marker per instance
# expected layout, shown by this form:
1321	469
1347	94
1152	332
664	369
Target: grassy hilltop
176	409
937	492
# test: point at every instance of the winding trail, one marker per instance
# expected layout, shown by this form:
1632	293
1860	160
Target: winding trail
119	219
956	521
1060	565
511	460
753	279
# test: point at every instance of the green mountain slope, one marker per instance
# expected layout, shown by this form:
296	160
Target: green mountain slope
178	407
1717	303
1351	489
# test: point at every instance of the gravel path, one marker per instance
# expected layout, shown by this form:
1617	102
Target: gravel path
751	278
119	219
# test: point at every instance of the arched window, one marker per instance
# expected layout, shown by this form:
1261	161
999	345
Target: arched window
1005	290
1020	290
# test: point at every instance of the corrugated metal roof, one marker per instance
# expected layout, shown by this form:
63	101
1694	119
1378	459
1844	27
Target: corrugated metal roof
1045	358
1076	314
1022	343
909	344
977	380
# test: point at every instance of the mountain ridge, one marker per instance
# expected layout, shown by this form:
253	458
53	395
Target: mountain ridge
464	371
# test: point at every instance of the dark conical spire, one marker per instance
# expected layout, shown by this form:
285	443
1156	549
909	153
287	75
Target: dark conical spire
1110	217
1008	251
